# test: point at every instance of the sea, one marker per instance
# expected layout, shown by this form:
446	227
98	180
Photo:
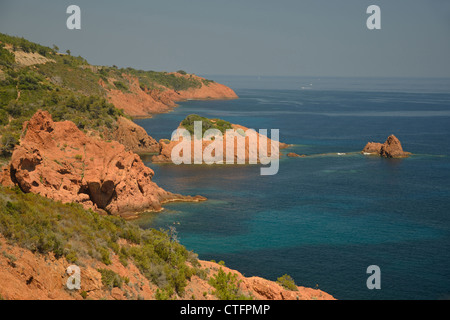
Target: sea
326	218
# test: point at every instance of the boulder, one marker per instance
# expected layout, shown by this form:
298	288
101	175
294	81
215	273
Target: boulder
134	137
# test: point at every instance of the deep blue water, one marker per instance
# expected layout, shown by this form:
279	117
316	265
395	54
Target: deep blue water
324	219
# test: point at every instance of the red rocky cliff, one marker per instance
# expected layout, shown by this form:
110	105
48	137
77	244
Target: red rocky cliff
58	161
134	137
139	102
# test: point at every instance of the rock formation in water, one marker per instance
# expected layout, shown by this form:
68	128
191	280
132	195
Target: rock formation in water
241	152
391	148
295	155
58	161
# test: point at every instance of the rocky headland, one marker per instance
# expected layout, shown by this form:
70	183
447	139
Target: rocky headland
241	152
140	101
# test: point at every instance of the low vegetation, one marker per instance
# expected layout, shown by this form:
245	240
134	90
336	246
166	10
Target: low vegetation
221	125
42	226
111	279
156	79
226	286
287	282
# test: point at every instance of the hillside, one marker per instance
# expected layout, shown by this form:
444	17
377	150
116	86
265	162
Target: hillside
36	77
40	238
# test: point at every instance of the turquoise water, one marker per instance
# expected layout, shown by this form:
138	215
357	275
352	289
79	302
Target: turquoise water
324	219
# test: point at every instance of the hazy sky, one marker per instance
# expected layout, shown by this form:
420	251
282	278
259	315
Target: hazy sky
246	37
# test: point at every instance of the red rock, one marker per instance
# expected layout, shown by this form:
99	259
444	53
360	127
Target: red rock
392	148
372	147
58	161
143	103
295	155
134	137
32	276
263	289
166	146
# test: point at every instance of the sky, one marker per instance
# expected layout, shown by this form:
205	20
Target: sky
245	37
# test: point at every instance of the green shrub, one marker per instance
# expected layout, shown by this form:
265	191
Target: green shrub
287	282
151	79
227	286
111	279
42	225
7	58
25	45
163	294
8	142
121	86
4	117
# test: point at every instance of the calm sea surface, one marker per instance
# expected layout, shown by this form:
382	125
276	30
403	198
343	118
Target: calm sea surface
324	219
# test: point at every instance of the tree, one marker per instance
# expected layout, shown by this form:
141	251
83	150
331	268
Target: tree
68	52
55	47
8	143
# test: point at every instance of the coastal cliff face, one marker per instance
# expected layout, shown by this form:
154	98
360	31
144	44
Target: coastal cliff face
140	101
28	276
208	91
58	161
391	148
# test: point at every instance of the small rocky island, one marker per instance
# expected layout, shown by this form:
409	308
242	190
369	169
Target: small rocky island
391	148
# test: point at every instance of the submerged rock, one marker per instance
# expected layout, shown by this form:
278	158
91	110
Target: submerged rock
295	155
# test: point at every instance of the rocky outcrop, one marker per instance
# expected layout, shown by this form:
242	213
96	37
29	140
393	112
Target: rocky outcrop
208	91
29	276
246	151
58	161
263	289
295	155
134	137
143	102
391	148
372	148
